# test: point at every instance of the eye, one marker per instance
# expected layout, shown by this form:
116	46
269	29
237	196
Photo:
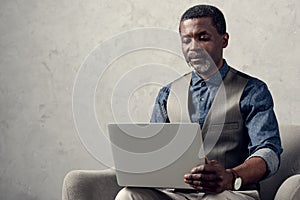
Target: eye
204	38
186	40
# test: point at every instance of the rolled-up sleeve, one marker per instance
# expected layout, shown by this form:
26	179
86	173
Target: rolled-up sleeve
270	157
260	120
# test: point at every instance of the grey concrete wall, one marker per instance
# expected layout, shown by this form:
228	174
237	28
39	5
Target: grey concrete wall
44	42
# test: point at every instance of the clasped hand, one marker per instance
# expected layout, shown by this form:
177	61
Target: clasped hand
210	177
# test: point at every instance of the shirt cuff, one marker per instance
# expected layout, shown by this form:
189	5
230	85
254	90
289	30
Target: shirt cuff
270	158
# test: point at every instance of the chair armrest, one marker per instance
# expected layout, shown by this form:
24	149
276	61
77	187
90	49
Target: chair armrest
289	189
90	185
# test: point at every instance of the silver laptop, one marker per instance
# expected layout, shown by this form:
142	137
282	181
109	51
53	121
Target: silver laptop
156	154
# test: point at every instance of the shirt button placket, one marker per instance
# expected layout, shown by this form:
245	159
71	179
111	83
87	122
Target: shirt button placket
203	84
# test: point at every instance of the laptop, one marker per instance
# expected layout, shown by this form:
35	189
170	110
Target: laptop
155	154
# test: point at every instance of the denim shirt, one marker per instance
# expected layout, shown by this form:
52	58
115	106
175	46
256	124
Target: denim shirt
256	105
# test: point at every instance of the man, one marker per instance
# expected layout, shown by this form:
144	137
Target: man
248	145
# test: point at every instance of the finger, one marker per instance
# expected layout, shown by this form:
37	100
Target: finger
205	184
188	181
203	177
198	169
188	176
208	184
204	169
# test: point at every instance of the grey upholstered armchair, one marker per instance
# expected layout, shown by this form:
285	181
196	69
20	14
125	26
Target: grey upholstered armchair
285	185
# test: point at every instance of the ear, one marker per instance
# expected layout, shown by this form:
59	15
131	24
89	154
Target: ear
225	40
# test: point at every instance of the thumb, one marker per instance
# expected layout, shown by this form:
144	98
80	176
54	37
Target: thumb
206	160
211	162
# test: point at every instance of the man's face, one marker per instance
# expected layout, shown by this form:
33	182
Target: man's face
202	45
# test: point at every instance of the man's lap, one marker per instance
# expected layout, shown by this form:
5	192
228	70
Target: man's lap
152	193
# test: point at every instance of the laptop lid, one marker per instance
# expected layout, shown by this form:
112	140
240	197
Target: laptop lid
156	154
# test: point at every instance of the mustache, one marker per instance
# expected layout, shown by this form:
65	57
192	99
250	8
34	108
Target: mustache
197	54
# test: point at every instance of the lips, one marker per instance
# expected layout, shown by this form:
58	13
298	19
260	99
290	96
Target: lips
197	61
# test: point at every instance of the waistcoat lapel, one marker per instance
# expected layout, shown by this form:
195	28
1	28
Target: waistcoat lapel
179	101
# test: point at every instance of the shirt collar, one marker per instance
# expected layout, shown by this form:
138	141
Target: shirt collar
214	79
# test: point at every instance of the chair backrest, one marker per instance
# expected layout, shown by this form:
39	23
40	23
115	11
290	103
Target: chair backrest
290	161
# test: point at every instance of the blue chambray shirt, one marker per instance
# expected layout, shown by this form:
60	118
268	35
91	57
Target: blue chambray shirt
256	105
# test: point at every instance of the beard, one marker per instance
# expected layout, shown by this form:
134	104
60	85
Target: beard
201	68
201	63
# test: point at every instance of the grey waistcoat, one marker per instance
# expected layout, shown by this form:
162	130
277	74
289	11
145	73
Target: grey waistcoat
224	134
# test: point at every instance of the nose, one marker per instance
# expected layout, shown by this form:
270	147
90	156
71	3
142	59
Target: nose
195	45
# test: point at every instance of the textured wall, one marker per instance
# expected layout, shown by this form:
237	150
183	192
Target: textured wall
43	43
